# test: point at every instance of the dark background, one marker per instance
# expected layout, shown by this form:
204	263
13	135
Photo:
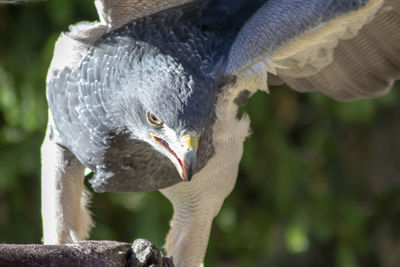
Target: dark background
318	184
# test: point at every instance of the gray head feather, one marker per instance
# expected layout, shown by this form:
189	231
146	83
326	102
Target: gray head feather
150	80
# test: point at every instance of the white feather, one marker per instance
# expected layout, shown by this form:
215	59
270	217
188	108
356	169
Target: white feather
197	202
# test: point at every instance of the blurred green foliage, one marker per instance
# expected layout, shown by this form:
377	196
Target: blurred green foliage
318	184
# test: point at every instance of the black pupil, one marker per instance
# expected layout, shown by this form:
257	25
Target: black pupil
154	118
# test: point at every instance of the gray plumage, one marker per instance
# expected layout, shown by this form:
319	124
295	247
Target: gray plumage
129	96
167	63
149	64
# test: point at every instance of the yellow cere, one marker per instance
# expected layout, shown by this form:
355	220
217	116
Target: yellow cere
191	140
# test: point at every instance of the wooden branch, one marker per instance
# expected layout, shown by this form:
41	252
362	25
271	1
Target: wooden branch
141	253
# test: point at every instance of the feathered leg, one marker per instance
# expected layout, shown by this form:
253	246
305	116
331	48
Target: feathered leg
190	229
65	217
197	202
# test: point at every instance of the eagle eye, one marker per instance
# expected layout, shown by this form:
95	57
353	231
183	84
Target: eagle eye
153	120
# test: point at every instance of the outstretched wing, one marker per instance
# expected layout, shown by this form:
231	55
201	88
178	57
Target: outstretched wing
346	49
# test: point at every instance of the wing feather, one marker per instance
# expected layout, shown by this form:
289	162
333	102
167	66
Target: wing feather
363	67
77	97
345	49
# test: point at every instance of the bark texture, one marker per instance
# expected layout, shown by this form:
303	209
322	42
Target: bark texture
141	253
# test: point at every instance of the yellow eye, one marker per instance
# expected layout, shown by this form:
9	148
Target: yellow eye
153	120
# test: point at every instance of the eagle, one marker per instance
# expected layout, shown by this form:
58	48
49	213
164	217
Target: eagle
147	97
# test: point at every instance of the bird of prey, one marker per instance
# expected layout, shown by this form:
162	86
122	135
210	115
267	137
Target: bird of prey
147	97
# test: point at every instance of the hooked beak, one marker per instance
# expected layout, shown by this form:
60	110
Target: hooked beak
184	156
